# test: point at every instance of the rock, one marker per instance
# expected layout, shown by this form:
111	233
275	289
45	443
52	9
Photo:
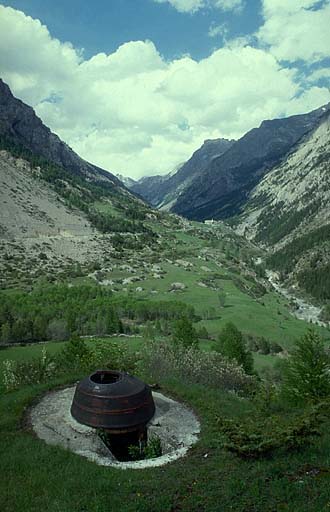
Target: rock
128	268
139	289
206	269
106	282
129	280
177	286
183	263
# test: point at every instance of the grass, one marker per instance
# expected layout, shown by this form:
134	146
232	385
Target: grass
30	351
268	316
38	476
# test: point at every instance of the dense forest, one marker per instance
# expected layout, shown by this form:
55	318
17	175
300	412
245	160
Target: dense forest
316	281
286	258
277	223
314	278
59	311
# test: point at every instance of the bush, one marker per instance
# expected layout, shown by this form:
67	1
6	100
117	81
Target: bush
192	366
20	373
75	357
255	439
262	345
306	374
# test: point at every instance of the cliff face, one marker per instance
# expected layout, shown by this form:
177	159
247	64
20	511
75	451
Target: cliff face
294	197
223	189
20	124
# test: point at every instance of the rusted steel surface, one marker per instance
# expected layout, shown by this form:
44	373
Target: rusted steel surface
114	401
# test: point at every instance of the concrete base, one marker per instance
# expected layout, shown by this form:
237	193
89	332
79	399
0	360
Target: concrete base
173	423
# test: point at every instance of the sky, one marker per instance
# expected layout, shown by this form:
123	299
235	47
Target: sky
136	86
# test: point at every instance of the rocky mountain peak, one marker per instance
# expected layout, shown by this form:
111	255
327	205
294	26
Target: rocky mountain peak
223	188
21	126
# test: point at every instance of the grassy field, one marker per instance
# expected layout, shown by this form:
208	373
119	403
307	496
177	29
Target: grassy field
30	351
209	479
268	316
36	476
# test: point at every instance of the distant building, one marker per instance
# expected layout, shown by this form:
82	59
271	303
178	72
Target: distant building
209	221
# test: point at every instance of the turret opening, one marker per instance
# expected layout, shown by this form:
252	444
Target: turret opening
105	377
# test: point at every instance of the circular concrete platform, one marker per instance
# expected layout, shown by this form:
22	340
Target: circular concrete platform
175	425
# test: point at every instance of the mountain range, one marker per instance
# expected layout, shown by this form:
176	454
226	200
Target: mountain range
217	180
272	186
164	191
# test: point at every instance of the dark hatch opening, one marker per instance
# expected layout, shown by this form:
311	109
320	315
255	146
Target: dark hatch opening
105	377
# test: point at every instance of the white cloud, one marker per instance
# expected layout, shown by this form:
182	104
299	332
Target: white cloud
135	113
29	53
321	73
296	29
229	5
184	5
218	30
192	6
271	7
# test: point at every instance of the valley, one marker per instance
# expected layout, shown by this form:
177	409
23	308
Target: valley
211	313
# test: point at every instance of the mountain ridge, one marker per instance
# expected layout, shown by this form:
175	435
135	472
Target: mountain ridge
161	191
19	123
224	187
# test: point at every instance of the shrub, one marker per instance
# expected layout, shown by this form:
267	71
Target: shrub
76	356
259	438
19	373
192	366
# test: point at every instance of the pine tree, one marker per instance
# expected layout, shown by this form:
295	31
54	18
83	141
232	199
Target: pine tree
184	334
307	371
231	344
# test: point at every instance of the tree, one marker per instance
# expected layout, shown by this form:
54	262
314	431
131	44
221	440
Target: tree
75	354
39	328
5	332
184	334
222	299
231	344
306	374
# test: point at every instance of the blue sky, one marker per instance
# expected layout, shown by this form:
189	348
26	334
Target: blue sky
102	25
136	86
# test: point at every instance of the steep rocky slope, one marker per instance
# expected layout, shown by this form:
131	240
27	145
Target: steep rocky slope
224	187
30	208
163	191
57	210
40	235
294	197
288	212
20	125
